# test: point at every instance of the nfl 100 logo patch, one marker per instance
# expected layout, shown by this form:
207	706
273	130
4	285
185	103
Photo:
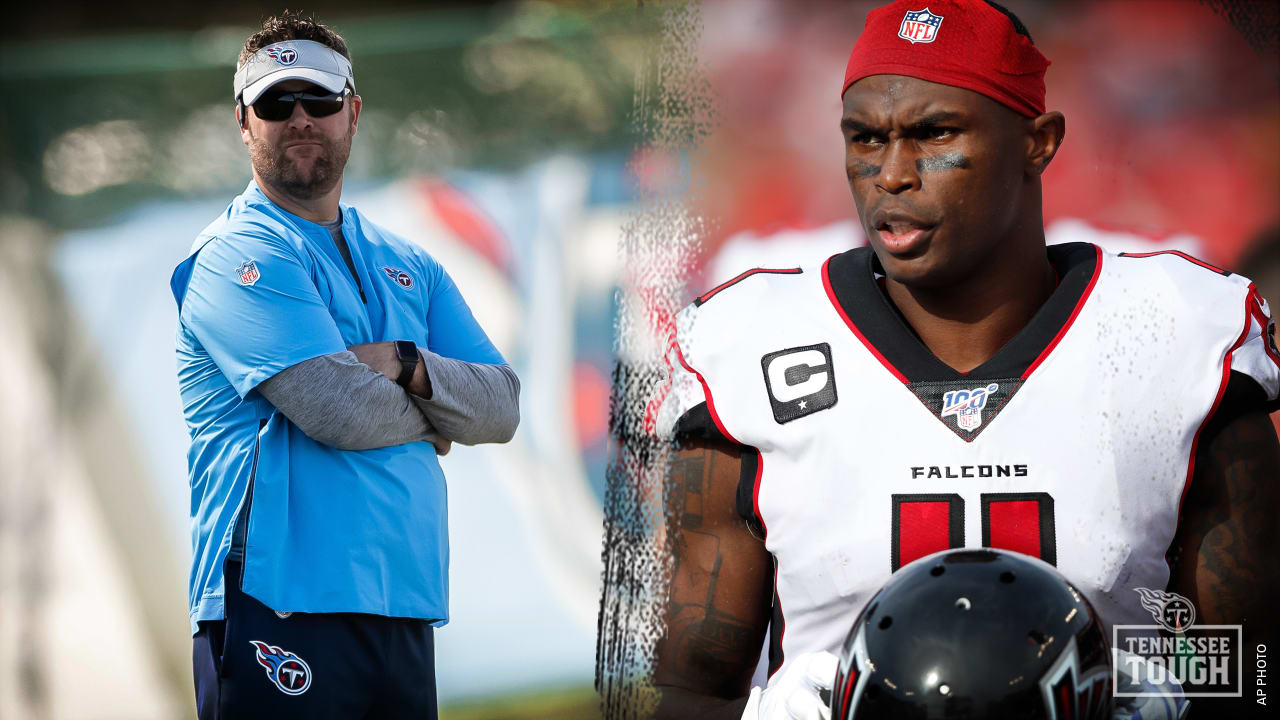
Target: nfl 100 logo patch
967	405
963	409
919	26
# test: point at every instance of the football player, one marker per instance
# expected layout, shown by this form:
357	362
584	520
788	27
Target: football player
957	384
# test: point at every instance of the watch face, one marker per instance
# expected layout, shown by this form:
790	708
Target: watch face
407	351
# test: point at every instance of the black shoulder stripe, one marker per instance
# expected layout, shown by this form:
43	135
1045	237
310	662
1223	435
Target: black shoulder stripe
1184	256
730	283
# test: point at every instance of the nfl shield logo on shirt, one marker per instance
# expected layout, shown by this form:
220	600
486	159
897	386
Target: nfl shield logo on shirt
248	273
919	26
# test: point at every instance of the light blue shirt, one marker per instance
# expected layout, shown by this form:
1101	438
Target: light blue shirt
328	530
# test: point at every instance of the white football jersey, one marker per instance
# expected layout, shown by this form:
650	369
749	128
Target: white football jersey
1074	443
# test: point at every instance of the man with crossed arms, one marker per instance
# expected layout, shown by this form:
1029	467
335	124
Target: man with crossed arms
324	364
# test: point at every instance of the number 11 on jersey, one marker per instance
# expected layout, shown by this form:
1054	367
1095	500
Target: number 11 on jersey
926	523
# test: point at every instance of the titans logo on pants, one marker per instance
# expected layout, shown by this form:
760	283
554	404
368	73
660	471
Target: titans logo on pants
287	671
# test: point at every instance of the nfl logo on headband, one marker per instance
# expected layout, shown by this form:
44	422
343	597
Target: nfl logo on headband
919	26
289	56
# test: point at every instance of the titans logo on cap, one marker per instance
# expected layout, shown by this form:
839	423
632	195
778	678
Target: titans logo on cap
289	56
919	26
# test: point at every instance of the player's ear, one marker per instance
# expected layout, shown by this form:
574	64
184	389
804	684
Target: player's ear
1044	138
242	119
356	104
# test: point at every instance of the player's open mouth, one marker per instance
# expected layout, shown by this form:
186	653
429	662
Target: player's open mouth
901	237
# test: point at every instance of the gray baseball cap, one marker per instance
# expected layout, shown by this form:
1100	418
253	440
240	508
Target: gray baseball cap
293	60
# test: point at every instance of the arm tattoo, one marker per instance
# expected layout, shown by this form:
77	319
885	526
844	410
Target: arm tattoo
1226	551
690	468
719	601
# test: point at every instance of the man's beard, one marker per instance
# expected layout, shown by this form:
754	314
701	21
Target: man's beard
284	174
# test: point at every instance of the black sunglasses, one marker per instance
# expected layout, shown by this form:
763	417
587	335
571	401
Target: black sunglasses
279	106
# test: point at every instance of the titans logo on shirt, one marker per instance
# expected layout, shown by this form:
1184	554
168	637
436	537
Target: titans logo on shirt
402	278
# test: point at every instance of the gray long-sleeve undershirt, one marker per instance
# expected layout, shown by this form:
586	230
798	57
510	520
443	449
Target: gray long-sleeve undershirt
339	401
470	403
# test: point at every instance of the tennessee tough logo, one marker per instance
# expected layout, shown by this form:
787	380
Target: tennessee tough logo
287	671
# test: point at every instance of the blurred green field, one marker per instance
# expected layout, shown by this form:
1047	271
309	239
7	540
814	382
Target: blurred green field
576	703
113	119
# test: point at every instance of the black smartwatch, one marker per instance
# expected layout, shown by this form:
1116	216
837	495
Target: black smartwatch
407	354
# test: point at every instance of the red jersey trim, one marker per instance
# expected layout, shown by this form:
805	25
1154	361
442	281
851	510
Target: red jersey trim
1222	389
755	493
730	283
655	403
706	391
1264	323
1062	331
1180	254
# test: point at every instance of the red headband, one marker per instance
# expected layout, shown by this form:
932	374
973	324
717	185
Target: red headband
962	43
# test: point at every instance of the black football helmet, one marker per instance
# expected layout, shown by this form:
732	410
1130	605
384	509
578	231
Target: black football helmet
975	634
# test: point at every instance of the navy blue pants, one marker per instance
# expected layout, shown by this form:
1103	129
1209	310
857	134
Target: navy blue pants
333	665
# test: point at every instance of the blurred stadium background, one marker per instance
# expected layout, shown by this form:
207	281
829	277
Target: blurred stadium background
502	137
